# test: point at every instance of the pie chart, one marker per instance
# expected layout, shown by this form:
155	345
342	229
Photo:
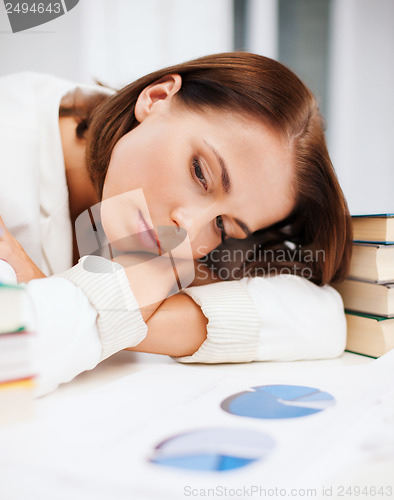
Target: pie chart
214	449
278	401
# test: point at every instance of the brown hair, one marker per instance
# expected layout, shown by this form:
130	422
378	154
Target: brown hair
259	87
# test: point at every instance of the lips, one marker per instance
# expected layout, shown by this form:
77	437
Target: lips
145	234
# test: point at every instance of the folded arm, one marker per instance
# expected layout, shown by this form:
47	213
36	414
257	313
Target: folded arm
177	328
280	318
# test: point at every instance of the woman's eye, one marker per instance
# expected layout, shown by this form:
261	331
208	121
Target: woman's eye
198	173
220	226
219	222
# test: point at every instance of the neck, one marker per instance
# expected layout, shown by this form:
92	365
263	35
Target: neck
82	194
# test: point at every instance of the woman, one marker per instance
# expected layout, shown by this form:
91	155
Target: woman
228	146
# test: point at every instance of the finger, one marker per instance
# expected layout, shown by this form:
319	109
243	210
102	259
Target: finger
4	233
3	228
5	251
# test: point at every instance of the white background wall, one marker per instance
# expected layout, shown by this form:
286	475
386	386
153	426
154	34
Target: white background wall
52	47
263	27
117	41
361	115
126	39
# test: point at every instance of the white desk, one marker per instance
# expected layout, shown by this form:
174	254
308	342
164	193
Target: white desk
114	371
126	363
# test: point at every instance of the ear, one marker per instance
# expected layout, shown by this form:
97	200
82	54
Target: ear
163	89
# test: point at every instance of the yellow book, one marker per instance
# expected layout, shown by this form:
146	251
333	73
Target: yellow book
368	334
377	228
367	297
372	262
16	400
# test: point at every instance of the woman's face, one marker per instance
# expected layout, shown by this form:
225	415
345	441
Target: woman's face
211	173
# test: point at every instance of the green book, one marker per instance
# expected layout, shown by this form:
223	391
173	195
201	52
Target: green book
369	334
12	313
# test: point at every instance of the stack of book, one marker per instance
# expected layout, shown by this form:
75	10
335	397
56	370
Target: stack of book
16	374
368	293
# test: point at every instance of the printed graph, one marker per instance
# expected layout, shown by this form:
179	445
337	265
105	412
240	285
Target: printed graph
278	401
213	449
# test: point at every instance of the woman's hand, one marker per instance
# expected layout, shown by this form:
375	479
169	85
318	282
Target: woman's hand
12	252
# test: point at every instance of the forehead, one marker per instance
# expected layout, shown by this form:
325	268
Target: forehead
259	163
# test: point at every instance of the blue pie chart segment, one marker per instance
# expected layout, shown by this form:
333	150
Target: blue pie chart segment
278	401
213	449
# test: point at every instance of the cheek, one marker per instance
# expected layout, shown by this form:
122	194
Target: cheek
120	173
201	246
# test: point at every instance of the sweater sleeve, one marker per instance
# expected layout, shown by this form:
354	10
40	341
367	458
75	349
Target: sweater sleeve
80	317
66	340
105	284
278	318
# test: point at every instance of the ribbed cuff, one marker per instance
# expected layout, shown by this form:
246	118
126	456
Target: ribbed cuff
105	284
233	329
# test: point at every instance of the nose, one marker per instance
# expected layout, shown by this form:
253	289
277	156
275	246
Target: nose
192	219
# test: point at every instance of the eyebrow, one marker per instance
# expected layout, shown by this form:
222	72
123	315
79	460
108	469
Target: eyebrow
243	226
226	185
